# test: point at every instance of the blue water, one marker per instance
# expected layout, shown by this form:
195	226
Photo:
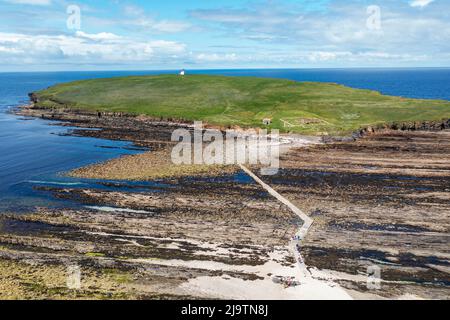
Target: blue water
34	153
411	83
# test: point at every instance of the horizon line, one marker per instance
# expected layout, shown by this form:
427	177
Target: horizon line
228	69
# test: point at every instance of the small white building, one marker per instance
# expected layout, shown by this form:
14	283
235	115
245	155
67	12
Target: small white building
267	122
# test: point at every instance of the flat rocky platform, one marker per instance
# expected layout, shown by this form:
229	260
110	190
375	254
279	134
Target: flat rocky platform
382	200
161	240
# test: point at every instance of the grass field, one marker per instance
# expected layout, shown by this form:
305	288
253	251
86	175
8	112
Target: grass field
301	107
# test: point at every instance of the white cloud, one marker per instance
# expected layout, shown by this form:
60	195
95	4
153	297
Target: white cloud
420	3
8	50
164	26
82	47
215	57
102	36
31	2
167	46
327	56
148	23
170	26
132	10
338	34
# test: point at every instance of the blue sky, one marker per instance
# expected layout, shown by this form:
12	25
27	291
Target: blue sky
44	35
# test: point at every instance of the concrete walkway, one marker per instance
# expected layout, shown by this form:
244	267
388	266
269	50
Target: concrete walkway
307	221
301	233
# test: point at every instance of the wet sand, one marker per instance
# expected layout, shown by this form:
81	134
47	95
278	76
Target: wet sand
150	165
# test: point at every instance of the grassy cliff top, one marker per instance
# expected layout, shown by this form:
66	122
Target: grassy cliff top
302	107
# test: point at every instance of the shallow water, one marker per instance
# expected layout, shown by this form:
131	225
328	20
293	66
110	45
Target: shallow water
35	152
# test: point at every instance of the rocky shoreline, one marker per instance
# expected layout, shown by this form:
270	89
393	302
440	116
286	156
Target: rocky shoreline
115	123
383	200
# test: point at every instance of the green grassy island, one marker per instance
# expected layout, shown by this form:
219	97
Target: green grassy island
299	107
